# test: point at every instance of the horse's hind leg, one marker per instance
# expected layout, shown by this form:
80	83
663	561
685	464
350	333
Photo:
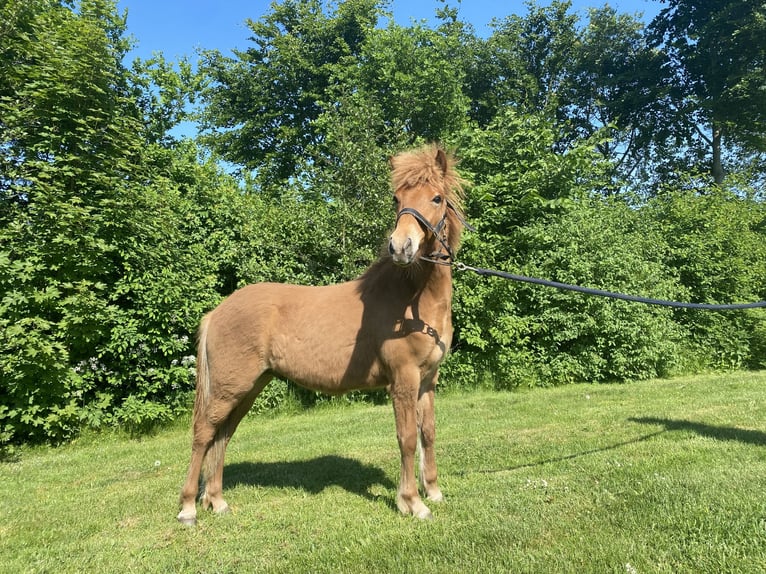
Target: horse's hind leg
203	438
212	497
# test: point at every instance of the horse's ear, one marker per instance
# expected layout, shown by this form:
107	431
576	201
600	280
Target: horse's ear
391	161
441	160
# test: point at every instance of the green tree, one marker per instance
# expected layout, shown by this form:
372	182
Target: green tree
616	83
716	66
526	63
164	92
262	103
416	75
349	94
101	284
64	121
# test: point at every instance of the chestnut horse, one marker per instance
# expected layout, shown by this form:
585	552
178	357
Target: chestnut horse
390	328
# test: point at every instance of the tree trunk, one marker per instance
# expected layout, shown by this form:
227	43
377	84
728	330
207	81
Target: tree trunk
717	169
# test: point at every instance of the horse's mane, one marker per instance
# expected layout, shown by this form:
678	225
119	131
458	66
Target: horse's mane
421	166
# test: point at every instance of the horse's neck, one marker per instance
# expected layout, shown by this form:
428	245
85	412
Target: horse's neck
424	280
437	282
430	298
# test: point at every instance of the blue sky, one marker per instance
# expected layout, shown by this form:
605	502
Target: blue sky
179	27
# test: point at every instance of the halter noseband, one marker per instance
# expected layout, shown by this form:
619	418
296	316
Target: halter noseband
437	256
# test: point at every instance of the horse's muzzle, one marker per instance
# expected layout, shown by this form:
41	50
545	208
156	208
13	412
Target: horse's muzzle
402	252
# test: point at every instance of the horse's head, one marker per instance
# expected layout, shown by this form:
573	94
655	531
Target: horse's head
427	200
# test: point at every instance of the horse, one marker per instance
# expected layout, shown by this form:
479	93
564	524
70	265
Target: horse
390	328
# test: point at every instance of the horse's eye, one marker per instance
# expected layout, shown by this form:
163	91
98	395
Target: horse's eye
395	200
437	200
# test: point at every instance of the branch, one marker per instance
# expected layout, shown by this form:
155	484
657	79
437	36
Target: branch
702	135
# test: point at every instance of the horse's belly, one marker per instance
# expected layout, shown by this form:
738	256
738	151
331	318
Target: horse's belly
328	364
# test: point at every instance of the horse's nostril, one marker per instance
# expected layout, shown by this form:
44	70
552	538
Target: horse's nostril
391	247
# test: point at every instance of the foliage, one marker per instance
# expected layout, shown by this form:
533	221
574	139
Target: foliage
61	118
163	92
116	235
263	102
102	284
716	247
616	83
517	334
410	74
531	58
715	67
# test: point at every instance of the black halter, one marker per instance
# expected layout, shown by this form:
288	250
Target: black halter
437	256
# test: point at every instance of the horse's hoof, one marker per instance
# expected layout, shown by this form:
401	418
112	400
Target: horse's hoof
424	515
223	510
436	496
187	520
417	509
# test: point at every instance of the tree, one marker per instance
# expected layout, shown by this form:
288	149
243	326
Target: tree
526	63
416	75
63	121
101	284
261	104
716	66
616	83
163	92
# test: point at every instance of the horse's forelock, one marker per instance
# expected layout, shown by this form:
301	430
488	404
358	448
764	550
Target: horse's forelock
421	166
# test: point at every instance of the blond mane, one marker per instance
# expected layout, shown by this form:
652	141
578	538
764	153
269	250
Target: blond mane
419	167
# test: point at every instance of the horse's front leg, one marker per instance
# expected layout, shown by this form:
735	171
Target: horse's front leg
427	428
404	394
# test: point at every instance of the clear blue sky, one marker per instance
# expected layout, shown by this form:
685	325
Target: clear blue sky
179	27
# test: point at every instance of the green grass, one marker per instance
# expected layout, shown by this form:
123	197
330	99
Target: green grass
659	476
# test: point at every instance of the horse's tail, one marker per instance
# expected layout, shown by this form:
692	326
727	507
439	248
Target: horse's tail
202	397
202	402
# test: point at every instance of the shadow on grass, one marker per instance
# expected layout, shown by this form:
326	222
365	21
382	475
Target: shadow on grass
562	458
745	436
313	475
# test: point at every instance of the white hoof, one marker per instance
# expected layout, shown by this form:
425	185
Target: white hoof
424	514
187	519
416	508
435	496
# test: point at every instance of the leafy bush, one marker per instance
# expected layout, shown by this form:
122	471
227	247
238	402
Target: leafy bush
102	282
716	247
533	335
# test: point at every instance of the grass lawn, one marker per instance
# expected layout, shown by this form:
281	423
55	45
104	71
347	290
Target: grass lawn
658	476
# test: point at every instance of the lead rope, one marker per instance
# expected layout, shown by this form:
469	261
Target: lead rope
610	294
448	259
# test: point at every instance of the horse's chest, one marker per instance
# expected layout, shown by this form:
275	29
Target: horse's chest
426	342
